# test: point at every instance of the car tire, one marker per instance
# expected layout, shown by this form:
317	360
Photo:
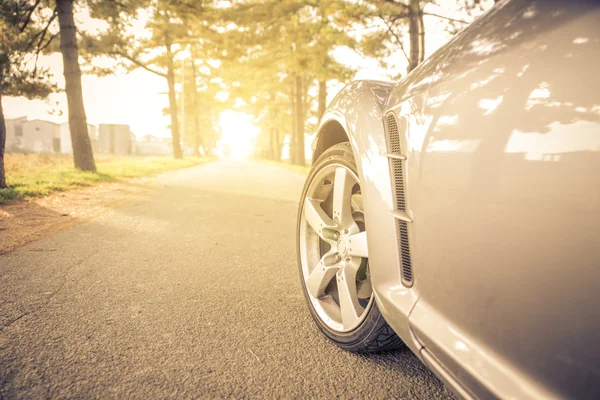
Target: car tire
372	334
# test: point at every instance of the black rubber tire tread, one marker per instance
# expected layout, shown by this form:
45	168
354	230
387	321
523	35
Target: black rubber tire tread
373	334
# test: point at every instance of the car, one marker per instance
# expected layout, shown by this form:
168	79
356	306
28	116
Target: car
457	212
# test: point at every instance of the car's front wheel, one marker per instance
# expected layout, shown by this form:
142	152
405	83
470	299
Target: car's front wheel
333	256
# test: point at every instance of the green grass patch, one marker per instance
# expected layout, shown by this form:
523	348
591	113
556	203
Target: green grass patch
35	175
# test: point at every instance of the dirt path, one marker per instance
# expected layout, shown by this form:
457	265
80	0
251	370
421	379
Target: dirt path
23	221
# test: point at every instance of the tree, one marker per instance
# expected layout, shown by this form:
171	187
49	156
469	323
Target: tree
285	45
69	48
392	17
197	135
330	30
173	25
82	148
24	32
199	97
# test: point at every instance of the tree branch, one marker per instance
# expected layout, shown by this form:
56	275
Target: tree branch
50	40
39	37
42	33
45	30
447	18
30	12
138	63
389	28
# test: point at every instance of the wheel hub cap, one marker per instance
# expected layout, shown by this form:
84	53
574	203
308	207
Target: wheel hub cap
342	246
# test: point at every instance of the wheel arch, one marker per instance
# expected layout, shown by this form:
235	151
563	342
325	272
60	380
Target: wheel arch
330	133
344	120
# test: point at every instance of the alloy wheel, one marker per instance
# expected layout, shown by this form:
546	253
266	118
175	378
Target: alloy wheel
333	248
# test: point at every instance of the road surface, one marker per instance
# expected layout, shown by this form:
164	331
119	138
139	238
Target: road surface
190	291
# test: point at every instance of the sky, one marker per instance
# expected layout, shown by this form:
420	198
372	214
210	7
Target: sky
139	97
136	99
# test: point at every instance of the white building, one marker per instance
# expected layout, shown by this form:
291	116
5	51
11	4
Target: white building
14	133
66	146
40	136
115	139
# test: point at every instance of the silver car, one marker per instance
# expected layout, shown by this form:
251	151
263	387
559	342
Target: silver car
457	212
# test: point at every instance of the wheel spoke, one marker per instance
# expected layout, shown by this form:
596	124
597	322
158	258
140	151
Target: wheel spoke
342	197
317	218
357	245
320	276
349	306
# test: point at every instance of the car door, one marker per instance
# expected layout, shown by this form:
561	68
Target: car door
504	193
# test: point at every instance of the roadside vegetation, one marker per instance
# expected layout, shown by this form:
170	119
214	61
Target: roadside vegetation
36	175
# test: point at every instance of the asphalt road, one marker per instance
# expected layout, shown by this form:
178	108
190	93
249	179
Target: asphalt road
190	291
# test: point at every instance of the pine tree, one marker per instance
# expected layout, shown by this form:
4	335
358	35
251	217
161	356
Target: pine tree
287	43
173	26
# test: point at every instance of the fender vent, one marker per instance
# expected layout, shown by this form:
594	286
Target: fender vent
397	166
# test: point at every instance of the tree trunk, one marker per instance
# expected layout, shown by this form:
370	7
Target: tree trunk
270	153
82	148
172	101
421	37
294	138
300	156
273	116
413	33
277	152
322	97
274	145
196	108
210	140
2	137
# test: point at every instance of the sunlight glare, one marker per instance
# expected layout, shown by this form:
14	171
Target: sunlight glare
237	135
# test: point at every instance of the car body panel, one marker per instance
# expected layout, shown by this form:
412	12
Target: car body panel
504	197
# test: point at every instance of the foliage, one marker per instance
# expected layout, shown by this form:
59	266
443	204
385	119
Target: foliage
279	47
24	35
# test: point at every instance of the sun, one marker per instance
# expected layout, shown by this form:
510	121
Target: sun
237	135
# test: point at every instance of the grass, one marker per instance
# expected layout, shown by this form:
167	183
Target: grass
35	175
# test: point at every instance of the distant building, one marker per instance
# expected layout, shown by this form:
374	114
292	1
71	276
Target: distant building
66	146
14	133
152	145
115	139
40	136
